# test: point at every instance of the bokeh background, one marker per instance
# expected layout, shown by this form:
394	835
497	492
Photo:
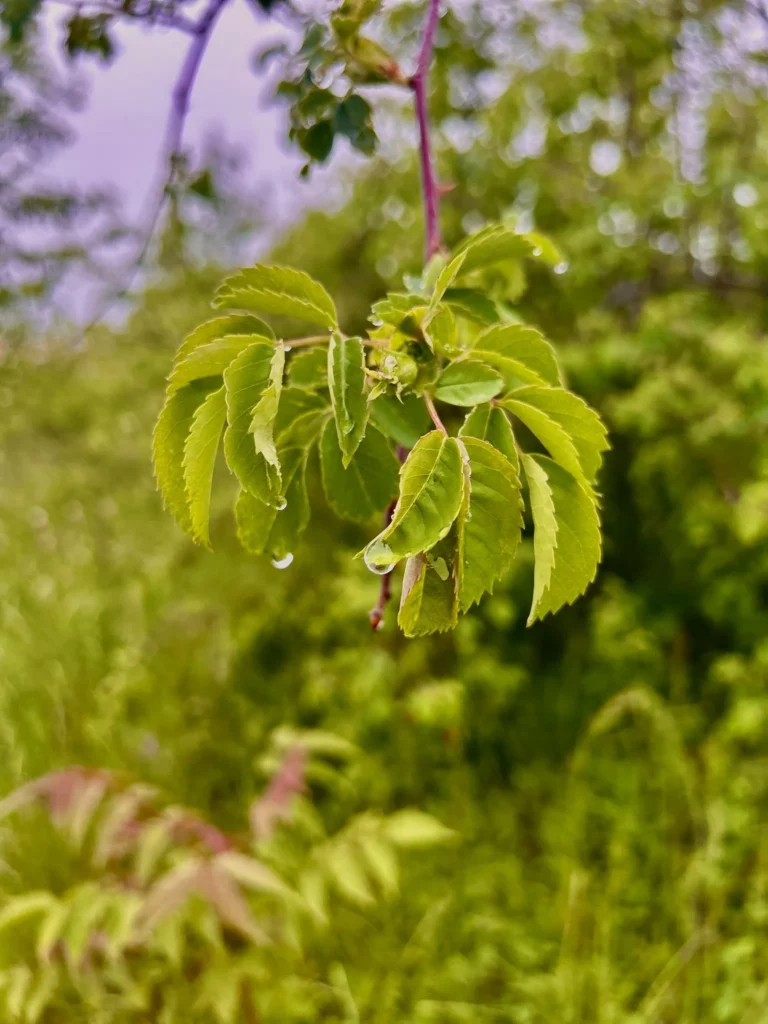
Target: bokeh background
606	770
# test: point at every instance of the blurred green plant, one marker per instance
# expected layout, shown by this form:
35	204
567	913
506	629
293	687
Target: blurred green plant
169	899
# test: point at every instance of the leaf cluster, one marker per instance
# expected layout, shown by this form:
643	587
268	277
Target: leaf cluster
456	505
321	81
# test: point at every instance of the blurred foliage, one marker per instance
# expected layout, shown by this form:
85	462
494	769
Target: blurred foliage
606	770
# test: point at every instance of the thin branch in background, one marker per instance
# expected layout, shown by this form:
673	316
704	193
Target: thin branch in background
420	85
180	99
174	133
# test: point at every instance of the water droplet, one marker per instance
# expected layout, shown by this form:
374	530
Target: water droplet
282	563
280	504
287	348
380	624
381	570
537	251
561	267
378	558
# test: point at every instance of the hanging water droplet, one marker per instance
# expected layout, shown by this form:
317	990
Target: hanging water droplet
287	348
537	251
378	558
561	267
280	504
381	570
283	563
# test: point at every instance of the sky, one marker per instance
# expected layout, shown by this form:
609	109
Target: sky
120	131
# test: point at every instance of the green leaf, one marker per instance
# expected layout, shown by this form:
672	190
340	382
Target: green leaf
521	353
489	530
554	438
199	461
441	333
577	419
265	413
252	873
431	489
493	244
308	368
46	983
168	441
395	308
278	290
415	830
468	383
246	380
313	890
266	529
51	930
447	276
367	485
18	983
543	248
346	380
428	603
344	867
209	360
405	421
221	327
382	862
299	417
21	908
472	305
491	424
566	539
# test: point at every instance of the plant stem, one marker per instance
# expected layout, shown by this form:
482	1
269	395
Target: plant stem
434	416
316	339
376	615
420	85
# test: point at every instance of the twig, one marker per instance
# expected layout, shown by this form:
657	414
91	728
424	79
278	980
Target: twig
420	85
180	98
376	615
316	339
434	416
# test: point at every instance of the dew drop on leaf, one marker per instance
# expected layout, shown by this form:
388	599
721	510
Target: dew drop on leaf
283	563
280	504
561	268
537	251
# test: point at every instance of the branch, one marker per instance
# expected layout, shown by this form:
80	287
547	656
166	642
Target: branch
434	416
376	615
180	98
420	85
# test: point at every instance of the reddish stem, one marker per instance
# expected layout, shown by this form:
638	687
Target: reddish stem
433	415
420	85
376	615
